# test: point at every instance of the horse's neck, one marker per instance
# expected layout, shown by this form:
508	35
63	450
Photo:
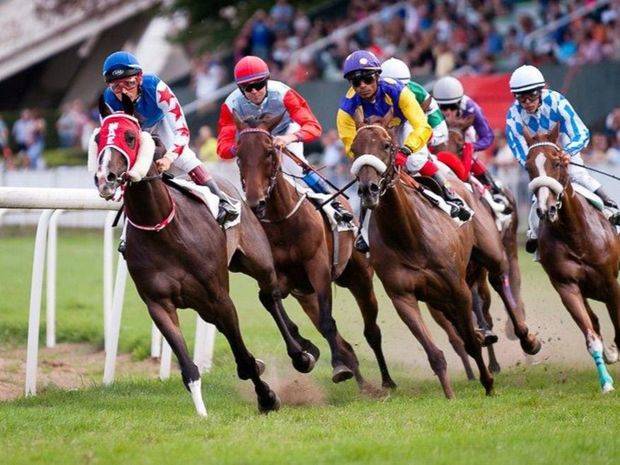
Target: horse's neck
398	218
282	199
147	203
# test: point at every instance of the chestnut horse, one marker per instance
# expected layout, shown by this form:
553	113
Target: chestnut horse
579	248
178	256
456	142
303	250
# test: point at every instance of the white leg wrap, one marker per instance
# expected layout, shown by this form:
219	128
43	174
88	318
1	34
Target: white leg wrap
195	389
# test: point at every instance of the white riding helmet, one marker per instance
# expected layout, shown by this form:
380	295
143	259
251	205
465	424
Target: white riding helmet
395	69
526	78
448	90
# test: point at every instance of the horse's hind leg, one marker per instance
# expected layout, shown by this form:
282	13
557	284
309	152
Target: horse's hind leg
357	277
574	302
485	297
165	317
226	321
613	307
407	307
480	299
454	338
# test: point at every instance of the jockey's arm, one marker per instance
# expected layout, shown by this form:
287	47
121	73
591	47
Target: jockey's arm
173	113
300	112
226	133
412	111
573	126
515	141
346	129
484	133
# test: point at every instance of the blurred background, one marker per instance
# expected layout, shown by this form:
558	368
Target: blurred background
51	52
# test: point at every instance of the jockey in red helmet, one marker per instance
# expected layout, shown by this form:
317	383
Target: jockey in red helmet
159	113
257	95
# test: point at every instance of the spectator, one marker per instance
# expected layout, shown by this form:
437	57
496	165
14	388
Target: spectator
282	15
261	35
208	74
37	141
70	124
613	152
612	123
596	153
4	145
23	133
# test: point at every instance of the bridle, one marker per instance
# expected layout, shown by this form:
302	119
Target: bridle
547	181
389	175
275	168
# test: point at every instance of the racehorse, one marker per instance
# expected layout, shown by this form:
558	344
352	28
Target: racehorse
578	247
303	248
455	145
420	253
178	255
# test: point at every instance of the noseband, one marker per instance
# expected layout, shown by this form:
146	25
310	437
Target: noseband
388	172
547	181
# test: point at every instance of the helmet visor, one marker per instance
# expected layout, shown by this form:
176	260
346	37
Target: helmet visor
121	73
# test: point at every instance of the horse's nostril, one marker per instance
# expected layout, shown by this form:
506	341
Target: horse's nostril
373	188
261	204
111	177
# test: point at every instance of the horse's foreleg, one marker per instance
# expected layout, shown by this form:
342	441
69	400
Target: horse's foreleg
407	307
574	302
454	338
613	307
357	277
482	318
165	317
485	297
248	367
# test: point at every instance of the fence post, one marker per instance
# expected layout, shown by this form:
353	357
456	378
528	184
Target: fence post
115	320
50	288
108	273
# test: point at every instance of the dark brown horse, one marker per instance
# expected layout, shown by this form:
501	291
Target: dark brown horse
579	249
456	142
303	248
178	256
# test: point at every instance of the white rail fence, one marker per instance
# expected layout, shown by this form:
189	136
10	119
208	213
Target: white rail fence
54	202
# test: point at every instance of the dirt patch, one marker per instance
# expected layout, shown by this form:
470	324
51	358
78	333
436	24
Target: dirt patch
66	366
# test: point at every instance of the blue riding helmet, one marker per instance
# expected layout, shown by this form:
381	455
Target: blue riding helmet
361	61
120	65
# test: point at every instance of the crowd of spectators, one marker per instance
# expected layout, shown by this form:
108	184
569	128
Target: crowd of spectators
433	37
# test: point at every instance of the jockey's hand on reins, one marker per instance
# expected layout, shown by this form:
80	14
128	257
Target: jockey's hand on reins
564	158
163	164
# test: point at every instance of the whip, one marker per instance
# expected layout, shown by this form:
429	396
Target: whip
595	170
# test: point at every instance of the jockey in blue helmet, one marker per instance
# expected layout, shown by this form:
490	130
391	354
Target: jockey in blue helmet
159	113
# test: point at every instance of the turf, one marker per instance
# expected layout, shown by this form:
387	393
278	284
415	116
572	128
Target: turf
547	413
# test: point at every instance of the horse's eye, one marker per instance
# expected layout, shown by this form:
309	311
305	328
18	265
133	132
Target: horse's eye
387	146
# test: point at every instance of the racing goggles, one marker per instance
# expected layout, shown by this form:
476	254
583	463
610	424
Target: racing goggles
128	83
527	97
449	106
357	80
254	86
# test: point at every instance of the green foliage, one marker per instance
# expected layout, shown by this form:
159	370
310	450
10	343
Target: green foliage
64	157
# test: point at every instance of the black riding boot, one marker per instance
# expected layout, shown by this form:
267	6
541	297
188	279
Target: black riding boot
457	209
226	211
609	202
360	244
496	192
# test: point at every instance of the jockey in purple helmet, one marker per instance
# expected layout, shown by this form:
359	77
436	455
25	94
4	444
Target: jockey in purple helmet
159	113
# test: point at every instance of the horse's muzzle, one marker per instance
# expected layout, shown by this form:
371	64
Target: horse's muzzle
260	209
369	194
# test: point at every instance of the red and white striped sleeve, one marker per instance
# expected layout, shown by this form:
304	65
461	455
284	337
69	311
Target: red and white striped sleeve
300	112
171	107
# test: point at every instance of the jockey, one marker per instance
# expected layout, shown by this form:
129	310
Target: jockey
376	97
537	107
398	70
456	106
159	112
256	95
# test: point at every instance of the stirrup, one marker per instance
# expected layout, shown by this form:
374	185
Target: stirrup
226	212
344	215
360	244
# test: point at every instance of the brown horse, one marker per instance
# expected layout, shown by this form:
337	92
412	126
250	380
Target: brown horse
456	141
418	252
579	249
303	249
178	255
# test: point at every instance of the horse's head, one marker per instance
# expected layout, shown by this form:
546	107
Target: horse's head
124	152
257	159
374	153
456	134
547	169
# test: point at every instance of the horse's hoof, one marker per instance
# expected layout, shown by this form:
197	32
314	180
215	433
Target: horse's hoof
271	404
388	384
341	373
494	368
610	354
311	349
304	363
260	366
607	387
531	346
490	338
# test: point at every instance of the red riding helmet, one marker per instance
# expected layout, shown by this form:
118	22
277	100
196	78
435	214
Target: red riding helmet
251	69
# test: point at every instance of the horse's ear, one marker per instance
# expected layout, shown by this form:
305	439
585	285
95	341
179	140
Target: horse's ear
385	121
104	110
239	123
270	122
529	138
128	106
554	133
358	117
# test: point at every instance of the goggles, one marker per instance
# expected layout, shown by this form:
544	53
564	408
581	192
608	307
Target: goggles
129	83
254	86
527	97
367	79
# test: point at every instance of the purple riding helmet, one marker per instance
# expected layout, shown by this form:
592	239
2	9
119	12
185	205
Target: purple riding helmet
360	62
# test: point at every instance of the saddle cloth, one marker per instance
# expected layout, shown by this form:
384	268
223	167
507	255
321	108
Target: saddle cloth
595	201
211	200
328	210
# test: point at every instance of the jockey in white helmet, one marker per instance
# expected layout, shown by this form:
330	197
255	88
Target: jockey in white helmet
398	70
539	108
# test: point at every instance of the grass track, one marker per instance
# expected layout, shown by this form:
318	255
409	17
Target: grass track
546	413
